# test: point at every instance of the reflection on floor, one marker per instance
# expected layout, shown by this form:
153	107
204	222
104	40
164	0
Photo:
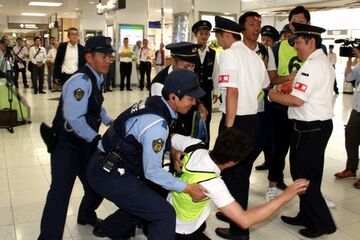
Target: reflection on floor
25	178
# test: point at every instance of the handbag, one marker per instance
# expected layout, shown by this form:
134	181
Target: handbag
31	65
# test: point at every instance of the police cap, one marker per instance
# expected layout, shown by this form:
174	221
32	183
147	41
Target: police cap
285	29
201	25
226	25
99	44
300	29
271	32
183	82
186	51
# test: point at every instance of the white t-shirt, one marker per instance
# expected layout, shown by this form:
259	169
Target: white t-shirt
217	190
242	68
314	84
71	59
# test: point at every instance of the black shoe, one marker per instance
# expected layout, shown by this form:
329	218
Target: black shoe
295	221
225	233
128	89
121	89
35	91
42	92
98	232
93	223
311	233
281	186
262	167
26	86
221	217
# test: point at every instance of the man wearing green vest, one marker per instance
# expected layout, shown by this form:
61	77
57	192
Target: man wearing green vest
203	166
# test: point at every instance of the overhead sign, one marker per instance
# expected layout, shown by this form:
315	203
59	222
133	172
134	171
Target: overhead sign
29	26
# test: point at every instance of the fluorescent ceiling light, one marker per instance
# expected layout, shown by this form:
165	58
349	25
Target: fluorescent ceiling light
45	4
166	10
33	14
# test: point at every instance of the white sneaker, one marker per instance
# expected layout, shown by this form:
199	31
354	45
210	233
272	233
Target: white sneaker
271	193
329	203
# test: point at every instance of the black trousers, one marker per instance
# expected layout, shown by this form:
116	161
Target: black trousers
63	78
237	178
281	142
137	202
38	76
352	141
16	74
110	77
197	235
308	143
69	160
207	101
125	72
145	68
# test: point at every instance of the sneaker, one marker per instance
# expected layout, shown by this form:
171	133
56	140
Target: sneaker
271	193
345	174
357	184
329	203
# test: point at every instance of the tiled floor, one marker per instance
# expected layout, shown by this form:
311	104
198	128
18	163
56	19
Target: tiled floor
25	176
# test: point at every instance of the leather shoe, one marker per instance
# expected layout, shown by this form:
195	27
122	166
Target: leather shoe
225	233
92	223
98	232
295	221
221	217
42	92
311	233
262	167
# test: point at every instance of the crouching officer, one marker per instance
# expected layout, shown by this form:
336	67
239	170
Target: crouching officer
76	125
130	154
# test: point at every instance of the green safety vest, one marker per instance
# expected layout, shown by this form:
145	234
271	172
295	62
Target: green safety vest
288	60
185	208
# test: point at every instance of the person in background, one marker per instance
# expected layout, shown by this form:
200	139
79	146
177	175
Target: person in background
38	57
20	53
285	33
160	58
50	63
145	60
269	36
332	59
125	54
136	49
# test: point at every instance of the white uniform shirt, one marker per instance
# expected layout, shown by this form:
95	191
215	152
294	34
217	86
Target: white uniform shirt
242	68
314	84
156	88
217	190
40	57
71	59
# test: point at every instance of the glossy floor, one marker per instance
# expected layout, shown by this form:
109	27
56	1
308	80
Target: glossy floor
25	178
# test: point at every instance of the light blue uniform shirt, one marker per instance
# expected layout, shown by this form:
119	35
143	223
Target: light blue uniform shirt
146	129
355	75
74	110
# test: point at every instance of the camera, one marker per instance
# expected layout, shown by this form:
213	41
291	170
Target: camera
346	48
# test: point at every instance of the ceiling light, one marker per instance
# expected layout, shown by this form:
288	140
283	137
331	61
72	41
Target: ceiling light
91	2
46	4
1	5
77	9
34	14
166	10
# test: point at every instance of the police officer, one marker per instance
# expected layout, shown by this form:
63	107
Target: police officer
76	125
311	110
269	35
242	77
206	68
130	155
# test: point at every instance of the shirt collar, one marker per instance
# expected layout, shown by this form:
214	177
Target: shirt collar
315	53
205	50
69	44
172	112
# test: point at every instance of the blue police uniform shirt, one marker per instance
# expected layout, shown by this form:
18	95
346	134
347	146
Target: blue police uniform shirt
354	75
74	110
147	128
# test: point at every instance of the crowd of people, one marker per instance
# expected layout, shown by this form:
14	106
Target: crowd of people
276	96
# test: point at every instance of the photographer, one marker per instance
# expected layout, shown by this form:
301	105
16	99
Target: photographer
20	53
3	45
352	129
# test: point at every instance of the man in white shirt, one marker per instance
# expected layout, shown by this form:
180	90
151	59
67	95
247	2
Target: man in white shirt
204	166
332	59
20	53
38	57
146	56
51	51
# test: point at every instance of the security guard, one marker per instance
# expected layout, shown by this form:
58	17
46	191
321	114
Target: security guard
269	35
311	110
130	157
242	77
206	68
76	124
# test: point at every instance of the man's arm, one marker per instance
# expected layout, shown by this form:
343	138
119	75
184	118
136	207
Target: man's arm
285	99
231	105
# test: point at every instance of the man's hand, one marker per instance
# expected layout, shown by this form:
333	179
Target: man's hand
298	187
196	191
356	52
215	98
176	156
203	111
292	76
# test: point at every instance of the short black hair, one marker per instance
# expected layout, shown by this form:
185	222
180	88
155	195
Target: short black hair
331	46
37	37
231	145
51	37
19	38
318	40
297	10
243	17
126	38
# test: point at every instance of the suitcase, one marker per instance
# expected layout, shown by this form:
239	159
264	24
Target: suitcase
8	118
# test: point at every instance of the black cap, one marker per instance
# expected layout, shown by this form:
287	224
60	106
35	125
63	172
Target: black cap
285	29
306	29
99	44
3	41
271	32
226	25
186	51
183	82
201	25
